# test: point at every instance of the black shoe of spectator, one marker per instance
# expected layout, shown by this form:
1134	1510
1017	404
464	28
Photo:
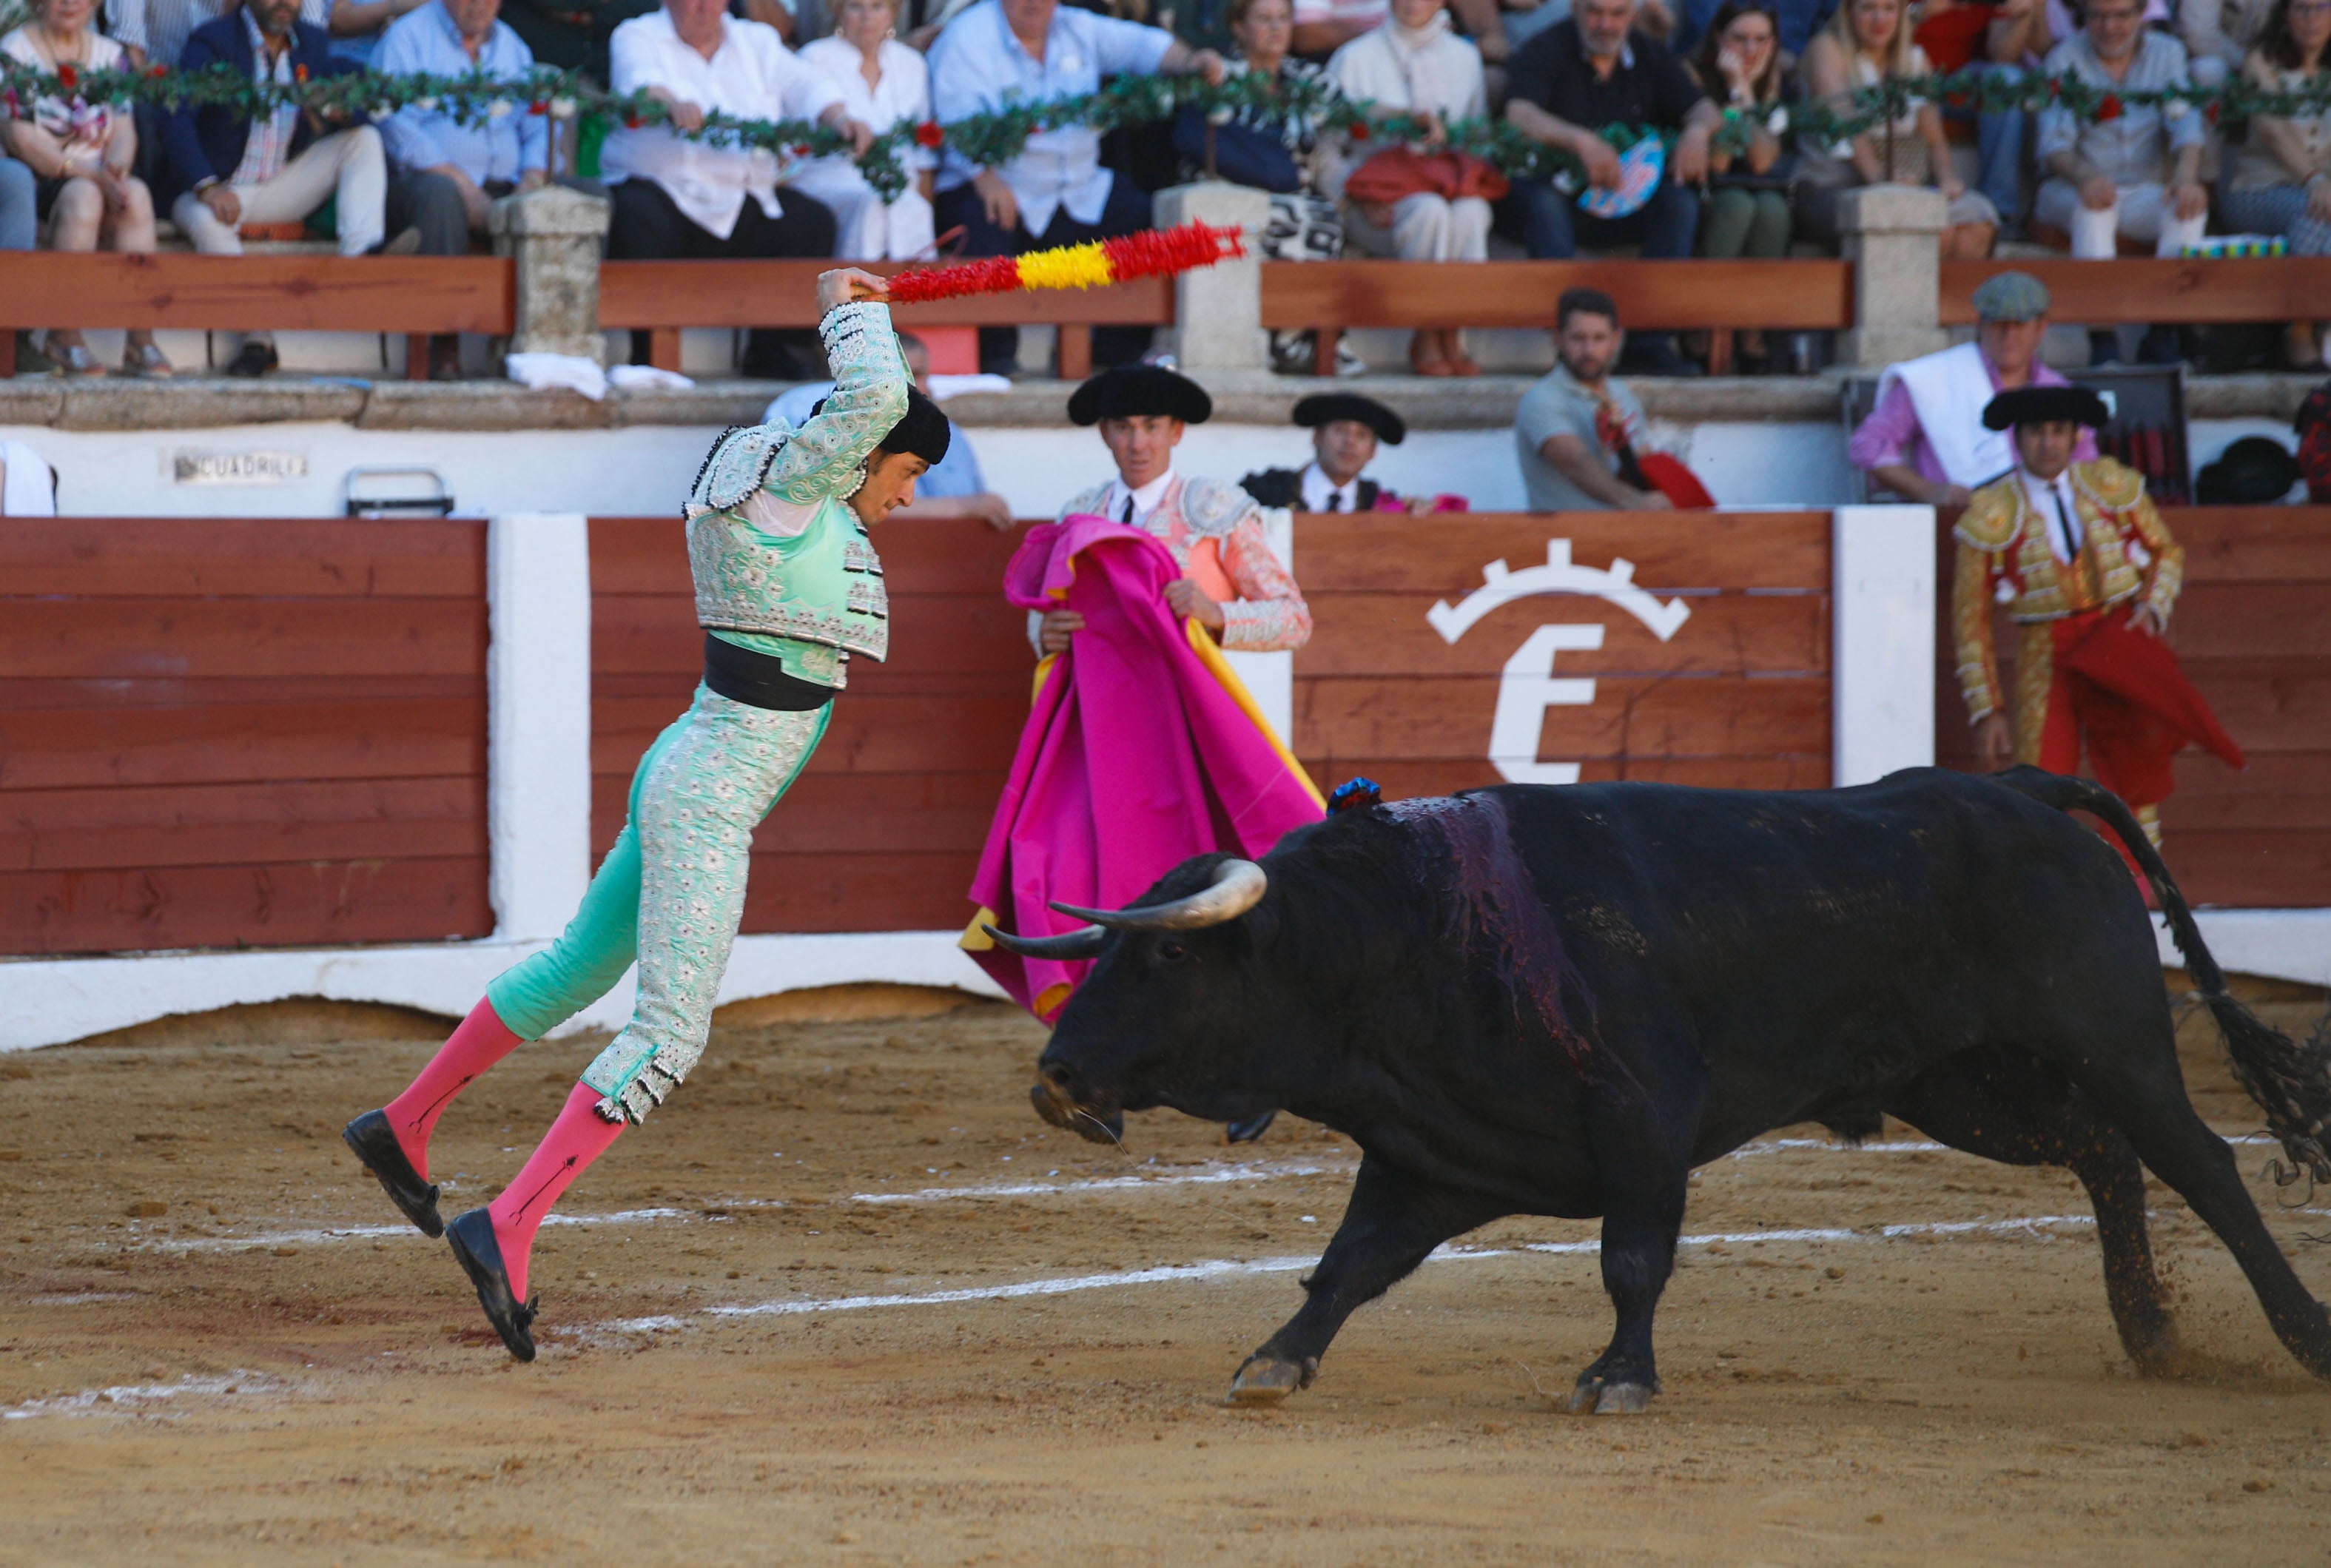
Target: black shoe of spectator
445	358
1655	355
2160	346
406	241
2104	349
253	361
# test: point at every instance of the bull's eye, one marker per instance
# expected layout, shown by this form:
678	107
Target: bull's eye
1172	951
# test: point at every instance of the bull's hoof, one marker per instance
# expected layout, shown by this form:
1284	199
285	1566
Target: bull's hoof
2164	1357
1265	1380
1622	1399
1609	1399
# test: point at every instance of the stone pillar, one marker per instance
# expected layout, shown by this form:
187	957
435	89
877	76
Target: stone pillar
557	235
1893	238
1217	310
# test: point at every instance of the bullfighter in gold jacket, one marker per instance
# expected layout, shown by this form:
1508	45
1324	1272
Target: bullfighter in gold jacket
2089	573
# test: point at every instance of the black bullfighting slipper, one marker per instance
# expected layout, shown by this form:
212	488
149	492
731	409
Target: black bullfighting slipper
1247	1131
481	1256
374	1143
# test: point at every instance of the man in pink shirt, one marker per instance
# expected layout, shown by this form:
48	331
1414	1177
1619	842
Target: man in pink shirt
1926	439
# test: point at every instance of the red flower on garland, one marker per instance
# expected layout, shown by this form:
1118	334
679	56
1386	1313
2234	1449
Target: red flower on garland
2210	111
2108	110
800	149
538	108
632	122
928	135
300	74
1359	130
157	72
67	76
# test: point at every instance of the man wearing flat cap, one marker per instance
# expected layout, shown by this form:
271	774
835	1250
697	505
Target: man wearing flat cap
2079	557
1926	439
1234	587
1345	432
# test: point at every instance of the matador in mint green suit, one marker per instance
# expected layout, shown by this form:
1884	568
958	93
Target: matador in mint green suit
789	587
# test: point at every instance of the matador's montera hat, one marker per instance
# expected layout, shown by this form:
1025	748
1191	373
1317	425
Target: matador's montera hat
1133	391
2042	404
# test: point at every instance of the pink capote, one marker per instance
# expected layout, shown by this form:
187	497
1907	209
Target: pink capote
1136	756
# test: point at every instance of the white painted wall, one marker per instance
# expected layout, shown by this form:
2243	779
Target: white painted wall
643	470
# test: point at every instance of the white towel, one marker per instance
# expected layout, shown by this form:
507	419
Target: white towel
571	371
1950	390
647	378
28	490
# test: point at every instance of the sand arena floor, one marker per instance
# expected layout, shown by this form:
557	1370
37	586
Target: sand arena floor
846	1300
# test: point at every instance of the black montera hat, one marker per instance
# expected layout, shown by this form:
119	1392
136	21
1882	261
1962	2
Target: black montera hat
1327	407
1132	391
2041	404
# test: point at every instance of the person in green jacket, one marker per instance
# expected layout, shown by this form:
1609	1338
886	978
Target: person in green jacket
789	587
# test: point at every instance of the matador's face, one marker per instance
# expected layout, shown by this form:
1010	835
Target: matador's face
2046	446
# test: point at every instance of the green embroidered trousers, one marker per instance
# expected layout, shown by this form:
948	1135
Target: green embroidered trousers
670	894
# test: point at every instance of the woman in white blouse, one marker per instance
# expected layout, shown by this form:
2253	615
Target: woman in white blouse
80	154
1414	64
882	83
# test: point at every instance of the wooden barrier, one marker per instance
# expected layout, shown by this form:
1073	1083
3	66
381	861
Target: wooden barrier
660	298
413	295
2253	630
1737	695
2151	290
1663	296
882	833
241	733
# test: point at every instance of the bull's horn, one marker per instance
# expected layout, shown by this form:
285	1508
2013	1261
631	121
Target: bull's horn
1081	943
1238	887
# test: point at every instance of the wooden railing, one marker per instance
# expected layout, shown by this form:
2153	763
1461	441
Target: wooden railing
1331	297
415	296
2149	291
661	298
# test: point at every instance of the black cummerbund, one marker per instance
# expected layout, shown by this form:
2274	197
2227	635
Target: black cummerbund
758	679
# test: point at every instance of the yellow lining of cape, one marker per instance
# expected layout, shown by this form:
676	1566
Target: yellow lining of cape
1202	644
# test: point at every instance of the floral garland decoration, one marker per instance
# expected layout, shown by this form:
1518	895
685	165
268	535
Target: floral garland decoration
1000	137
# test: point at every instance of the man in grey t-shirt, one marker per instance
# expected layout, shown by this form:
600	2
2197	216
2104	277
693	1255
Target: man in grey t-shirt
1575	430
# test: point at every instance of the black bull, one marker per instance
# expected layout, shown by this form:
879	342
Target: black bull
1559	1000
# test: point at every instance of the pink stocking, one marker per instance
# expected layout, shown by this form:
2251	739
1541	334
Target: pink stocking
580	1135
478	1043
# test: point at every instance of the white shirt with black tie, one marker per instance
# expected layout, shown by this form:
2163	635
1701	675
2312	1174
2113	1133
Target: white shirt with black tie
2058	512
1322	494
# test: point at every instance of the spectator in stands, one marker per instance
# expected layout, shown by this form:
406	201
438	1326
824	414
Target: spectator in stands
1569	83
954	487
1926	439
2133	174
2220	35
20	221
480	160
700	199
1747	209
1797	20
223	168
1957	37
1324	26
1396	203
881	82
1574	433
2280	182
81	155
1056	192
159	29
1867	41
1281	152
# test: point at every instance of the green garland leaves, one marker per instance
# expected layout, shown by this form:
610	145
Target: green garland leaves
1000	137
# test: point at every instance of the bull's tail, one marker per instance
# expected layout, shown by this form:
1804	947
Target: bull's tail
2290	1082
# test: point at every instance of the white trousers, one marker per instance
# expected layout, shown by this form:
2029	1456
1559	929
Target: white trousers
1426	227
347	163
2142	213
866	228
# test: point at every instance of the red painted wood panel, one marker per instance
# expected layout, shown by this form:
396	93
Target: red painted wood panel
225	733
2253	631
1736	694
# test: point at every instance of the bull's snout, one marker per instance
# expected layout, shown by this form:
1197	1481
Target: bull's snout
1055	1097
